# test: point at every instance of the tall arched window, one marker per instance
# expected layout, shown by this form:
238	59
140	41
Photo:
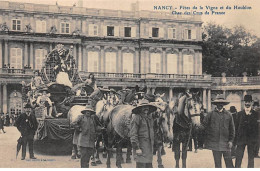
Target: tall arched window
128	63
15	103
16	58
155	63
172	63
188	63
93	61
39	57
110	62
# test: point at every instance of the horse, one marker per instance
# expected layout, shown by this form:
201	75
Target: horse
162	126
187	117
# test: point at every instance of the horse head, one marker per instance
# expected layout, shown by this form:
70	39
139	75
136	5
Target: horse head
192	105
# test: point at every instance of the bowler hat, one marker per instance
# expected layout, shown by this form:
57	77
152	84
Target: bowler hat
220	99
142	103
248	98
27	105
232	109
88	108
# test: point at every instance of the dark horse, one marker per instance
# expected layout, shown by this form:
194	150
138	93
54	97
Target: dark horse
187	117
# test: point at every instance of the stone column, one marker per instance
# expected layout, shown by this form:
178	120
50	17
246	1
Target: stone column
31	56
170	93
119	68
153	90
26	58
84	59
5	98
1	100
164	64
209	100
180	62
1	56
102	59
6	52
204	98
80	64
75	53
136	61
50	47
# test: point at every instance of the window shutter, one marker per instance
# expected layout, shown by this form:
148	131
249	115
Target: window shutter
105	30
91	30
161	32
186	34
193	34
116	31
151	32
38	26
43	26
133	31
170	33
96	30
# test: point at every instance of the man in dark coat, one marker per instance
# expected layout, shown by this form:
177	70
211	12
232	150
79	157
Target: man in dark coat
89	127
27	125
2	122
233	112
220	132
142	134
247	132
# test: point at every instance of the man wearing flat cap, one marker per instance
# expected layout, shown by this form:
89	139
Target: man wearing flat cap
27	125
246	132
220	132
142	134
88	126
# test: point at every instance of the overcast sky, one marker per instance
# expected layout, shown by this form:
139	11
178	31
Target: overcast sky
248	18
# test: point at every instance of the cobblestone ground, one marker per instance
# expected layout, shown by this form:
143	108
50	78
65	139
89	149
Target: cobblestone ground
202	159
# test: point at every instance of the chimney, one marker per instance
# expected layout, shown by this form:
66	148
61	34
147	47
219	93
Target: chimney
80	3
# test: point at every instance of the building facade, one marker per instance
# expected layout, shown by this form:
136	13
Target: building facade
122	48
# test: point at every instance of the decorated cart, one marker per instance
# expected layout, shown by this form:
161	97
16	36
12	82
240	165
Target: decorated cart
53	91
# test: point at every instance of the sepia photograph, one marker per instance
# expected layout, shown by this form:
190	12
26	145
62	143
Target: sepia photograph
129	84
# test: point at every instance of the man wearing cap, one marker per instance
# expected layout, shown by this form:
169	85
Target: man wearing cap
27	125
89	127
142	134
247	132
220	132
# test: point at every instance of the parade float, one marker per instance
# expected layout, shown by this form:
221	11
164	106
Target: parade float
52	92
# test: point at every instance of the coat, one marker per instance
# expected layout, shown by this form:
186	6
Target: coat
27	125
1	123
246	128
142	137
220	129
89	128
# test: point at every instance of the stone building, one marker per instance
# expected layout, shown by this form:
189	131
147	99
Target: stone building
122	48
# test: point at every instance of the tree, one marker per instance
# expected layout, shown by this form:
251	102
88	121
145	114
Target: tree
232	51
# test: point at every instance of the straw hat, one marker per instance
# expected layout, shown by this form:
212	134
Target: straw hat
88	108
220	99
143	103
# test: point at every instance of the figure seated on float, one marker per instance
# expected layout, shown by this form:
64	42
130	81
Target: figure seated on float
36	81
62	74
44	101
87	87
112	97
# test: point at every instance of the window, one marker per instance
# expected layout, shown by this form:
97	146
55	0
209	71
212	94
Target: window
93	30
65	28
16	58
172	63
188	64
110	62
128	63
93	61
40	26
155	63
110	31
155	32
127	31
39	58
16	25
189	34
